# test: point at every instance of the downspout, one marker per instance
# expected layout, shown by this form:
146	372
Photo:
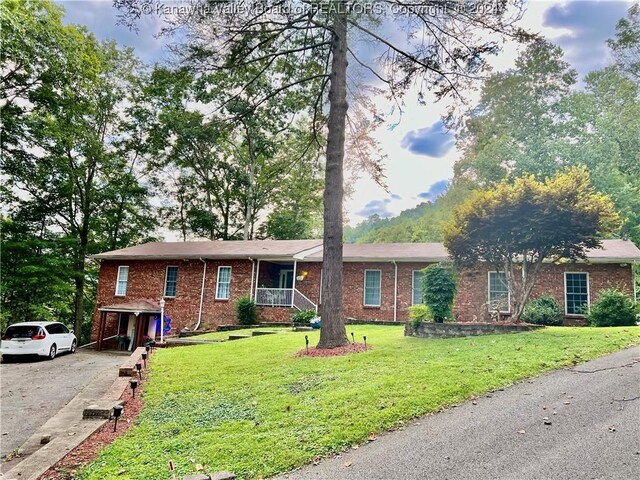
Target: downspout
395	292
204	276
253	269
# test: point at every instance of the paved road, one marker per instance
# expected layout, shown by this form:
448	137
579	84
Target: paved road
595	433
34	390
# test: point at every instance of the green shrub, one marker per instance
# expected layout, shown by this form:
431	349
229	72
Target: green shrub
246	311
544	310
303	316
613	309
439	290
420	313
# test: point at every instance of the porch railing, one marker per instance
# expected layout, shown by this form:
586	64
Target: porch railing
274	297
283	297
303	303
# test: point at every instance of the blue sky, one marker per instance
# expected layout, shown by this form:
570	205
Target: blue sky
421	152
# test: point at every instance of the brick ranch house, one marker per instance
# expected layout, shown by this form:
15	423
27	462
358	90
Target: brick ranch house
200	282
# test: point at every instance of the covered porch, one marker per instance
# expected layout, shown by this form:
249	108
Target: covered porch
126	325
276	285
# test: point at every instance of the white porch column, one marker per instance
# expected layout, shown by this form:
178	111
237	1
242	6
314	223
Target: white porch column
255	293
293	286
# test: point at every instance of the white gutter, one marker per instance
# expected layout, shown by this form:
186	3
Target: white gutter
204	276
255	294
395	292
253	269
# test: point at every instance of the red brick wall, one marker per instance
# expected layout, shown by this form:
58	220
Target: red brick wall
146	281
470	303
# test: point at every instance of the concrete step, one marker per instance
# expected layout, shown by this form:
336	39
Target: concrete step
257	333
238	337
100	409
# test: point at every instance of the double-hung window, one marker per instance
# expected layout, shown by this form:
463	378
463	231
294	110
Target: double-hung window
372	280
171	281
121	282
416	287
576	288
223	287
499	292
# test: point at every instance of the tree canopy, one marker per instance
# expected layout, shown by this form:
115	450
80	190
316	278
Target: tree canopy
517	226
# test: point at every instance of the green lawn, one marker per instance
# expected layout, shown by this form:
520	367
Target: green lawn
251	407
244	331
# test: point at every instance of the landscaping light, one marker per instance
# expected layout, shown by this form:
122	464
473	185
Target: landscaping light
147	348
144	359
117	411
365	341
153	346
139	368
133	384
306	342
353	338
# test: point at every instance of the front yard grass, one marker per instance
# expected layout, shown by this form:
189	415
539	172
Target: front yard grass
253	408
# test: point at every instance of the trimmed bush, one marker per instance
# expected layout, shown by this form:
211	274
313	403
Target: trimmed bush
439	290
246	311
420	313
613	309
303	316
544	310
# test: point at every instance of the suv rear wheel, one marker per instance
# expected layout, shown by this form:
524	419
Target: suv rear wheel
52	352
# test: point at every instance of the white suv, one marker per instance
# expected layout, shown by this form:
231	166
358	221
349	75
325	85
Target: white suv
37	338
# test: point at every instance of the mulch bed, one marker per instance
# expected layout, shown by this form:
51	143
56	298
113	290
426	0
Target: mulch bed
333	352
88	450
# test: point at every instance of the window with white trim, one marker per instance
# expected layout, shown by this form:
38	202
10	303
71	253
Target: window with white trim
121	282
416	287
171	281
223	287
372	279
576	291
499	292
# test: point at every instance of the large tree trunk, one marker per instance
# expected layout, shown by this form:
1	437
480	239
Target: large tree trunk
333	333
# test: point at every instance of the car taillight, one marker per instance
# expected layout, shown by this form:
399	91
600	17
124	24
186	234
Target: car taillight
38	337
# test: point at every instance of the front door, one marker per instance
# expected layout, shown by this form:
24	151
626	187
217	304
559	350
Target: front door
286	279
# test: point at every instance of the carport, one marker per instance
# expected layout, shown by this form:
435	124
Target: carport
134	319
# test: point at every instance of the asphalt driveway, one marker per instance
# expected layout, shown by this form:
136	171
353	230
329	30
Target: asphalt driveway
33	390
579	423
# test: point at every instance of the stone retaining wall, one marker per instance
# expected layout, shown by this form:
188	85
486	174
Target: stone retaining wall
451	330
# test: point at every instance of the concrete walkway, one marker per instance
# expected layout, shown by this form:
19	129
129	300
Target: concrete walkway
66	429
594	433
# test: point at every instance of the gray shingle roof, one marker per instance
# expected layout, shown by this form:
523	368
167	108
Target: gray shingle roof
212	249
613	251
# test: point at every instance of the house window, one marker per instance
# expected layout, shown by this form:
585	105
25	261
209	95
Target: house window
499	292
121	283
576	288
223	287
171	282
416	286
372	288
